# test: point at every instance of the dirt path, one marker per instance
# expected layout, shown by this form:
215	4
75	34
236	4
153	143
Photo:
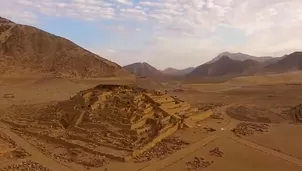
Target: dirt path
272	152
37	156
179	155
258	147
226	133
221	90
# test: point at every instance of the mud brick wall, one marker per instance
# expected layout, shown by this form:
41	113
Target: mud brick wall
72	145
156	140
201	116
138	124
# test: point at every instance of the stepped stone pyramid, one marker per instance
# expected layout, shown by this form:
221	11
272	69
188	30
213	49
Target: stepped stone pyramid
125	119
117	121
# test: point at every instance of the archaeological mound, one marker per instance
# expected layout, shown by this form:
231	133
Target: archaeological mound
118	122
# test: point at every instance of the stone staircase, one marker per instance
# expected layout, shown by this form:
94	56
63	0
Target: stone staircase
180	109
174	107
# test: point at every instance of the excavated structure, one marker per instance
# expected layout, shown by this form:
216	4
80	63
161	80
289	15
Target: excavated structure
116	121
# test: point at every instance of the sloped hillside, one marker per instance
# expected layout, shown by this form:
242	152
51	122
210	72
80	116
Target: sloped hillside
28	50
290	62
177	72
241	57
143	70
225	66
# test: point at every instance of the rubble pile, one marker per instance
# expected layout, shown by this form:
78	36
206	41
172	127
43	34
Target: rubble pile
198	163
208	129
176	141
82	158
162	149
245	129
217	115
25	166
216	152
295	113
252	113
208	106
178	90
8	96
293	84
9	149
94	161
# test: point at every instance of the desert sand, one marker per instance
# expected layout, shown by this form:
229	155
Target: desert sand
72	124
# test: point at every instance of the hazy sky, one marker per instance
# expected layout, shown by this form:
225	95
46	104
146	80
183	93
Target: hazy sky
177	33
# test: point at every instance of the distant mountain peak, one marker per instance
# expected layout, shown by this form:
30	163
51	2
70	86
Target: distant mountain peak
240	57
224	57
225	53
141	63
170	68
231	53
143	69
224	66
287	63
227	66
178	72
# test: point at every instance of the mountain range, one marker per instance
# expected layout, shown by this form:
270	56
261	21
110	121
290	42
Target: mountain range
227	65
291	62
177	72
26	50
143	69
241	57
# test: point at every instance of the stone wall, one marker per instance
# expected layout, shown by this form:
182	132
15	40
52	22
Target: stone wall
157	139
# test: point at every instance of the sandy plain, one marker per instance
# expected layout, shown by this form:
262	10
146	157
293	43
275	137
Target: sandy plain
211	143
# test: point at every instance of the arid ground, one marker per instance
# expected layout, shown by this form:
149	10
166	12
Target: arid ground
254	126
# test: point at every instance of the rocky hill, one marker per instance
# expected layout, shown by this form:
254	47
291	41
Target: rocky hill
291	62
241	57
177	72
26	50
144	70
225	66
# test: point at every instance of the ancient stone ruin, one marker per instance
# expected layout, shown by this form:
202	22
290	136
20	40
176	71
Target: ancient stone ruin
128	120
118	122
295	113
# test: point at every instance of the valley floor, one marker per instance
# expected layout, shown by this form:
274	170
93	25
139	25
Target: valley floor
251	132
